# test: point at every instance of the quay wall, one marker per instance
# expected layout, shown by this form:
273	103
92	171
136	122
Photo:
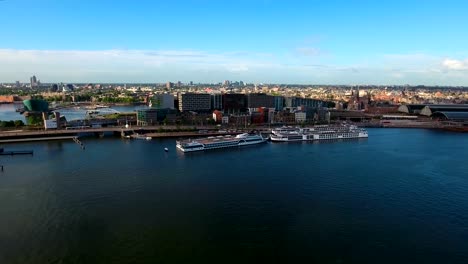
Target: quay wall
155	131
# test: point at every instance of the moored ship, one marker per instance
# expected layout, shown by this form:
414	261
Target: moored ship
219	142
100	113
287	134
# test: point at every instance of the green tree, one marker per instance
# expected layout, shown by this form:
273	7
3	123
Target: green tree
18	123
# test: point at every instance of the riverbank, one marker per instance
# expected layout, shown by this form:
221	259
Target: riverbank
167	132
30	136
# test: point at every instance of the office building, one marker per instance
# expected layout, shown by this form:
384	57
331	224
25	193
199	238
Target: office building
162	101
279	103
256	100
234	103
33	81
216	101
299	101
194	102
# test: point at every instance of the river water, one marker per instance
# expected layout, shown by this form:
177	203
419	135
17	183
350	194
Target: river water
8	111
400	196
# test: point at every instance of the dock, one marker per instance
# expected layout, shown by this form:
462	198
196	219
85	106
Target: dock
16	152
17	140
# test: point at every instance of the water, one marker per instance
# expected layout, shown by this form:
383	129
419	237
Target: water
8	111
399	197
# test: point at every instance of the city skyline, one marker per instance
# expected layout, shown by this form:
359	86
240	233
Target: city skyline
306	42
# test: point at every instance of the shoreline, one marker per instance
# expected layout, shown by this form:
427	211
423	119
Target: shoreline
17	136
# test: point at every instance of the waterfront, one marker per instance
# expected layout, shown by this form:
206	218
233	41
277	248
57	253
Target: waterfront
74	114
8	111
400	196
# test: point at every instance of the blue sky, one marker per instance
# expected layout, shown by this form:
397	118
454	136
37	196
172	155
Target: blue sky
314	42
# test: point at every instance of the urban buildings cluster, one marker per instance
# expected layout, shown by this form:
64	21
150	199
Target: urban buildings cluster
232	108
238	102
339	94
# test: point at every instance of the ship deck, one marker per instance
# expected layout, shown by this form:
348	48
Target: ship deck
217	139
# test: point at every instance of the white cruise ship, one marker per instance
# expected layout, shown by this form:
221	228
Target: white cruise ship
287	134
219	142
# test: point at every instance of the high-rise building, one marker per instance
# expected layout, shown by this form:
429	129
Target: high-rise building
33	81
234	103
163	101
53	88
358	103
279	103
169	85
194	102
216	101
147	117
256	100
299	101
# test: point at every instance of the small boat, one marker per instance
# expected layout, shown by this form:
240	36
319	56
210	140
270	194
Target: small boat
166	149
142	137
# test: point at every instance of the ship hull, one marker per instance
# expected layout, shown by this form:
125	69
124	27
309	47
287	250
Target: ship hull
196	146
327	133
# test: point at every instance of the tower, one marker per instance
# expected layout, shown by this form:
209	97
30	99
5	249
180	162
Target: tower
33	81
358	103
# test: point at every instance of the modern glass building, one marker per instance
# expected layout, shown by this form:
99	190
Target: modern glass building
194	102
235	103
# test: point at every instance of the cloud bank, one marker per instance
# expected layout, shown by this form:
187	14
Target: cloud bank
452	64
151	66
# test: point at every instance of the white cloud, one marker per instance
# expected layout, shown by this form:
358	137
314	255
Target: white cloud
203	66
309	51
237	68
56	65
451	64
410	62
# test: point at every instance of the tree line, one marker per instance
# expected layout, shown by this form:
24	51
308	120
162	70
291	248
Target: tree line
12	123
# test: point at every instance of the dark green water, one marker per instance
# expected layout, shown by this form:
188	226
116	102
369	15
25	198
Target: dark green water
400	196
